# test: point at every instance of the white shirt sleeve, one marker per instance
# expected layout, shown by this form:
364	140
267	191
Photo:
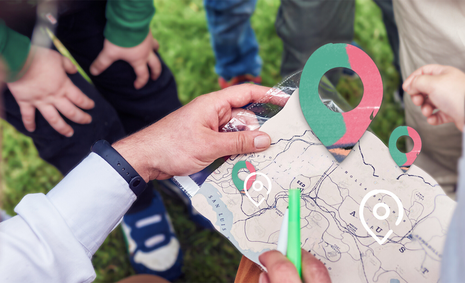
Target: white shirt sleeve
54	236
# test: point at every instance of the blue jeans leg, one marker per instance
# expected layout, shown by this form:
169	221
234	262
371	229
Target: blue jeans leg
232	37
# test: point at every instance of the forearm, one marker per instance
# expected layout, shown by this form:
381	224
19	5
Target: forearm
128	21
14	50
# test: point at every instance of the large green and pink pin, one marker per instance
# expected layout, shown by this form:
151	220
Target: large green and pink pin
339	132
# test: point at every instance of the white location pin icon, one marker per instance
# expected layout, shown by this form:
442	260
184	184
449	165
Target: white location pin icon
257	186
380	217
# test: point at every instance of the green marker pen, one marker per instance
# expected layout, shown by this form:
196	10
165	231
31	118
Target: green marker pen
293	241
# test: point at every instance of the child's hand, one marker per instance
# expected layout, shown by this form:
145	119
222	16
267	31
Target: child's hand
440	91
139	57
46	87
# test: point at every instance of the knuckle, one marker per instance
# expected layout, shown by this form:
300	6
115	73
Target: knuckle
144	76
27	119
72	113
283	267
241	143
318	270
62	129
79	100
54	120
107	58
97	65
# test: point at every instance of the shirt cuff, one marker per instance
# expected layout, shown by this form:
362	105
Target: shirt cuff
128	21
14	50
92	199
125	37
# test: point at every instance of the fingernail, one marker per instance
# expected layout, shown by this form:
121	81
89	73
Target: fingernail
262	141
70	134
93	71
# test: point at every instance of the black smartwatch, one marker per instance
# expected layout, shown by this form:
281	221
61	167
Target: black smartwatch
110	155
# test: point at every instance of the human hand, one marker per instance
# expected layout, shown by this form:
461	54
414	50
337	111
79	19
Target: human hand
138	57
188	140
438	87
281	270
46	86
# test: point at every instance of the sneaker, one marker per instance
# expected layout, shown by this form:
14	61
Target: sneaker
170	188
239	80
152	244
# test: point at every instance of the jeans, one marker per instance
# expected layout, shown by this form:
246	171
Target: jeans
232	37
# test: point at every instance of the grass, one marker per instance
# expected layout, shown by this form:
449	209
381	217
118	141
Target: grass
181	29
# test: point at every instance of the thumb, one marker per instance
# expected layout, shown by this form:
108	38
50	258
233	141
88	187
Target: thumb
241	142
423	84
155	44
101	63
69	67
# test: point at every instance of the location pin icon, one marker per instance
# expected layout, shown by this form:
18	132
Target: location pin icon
404	160
251	181
241	185
400	213
258	187
339	132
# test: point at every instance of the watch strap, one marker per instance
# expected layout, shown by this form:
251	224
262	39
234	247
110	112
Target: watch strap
112	157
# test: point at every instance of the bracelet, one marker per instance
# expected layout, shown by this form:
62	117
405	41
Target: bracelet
110	155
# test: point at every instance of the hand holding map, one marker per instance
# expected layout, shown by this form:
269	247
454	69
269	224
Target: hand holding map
351	218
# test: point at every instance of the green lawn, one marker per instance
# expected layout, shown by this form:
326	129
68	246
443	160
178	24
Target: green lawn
181	29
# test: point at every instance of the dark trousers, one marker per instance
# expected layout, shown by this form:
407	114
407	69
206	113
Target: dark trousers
119	108
305	25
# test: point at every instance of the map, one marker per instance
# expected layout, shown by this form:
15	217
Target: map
331	227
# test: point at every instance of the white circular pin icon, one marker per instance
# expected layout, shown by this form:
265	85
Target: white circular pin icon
380	217
259	188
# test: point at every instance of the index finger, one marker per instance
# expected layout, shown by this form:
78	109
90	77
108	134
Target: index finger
240	95
432	69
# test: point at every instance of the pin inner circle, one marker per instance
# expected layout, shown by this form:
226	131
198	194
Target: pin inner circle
386	213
